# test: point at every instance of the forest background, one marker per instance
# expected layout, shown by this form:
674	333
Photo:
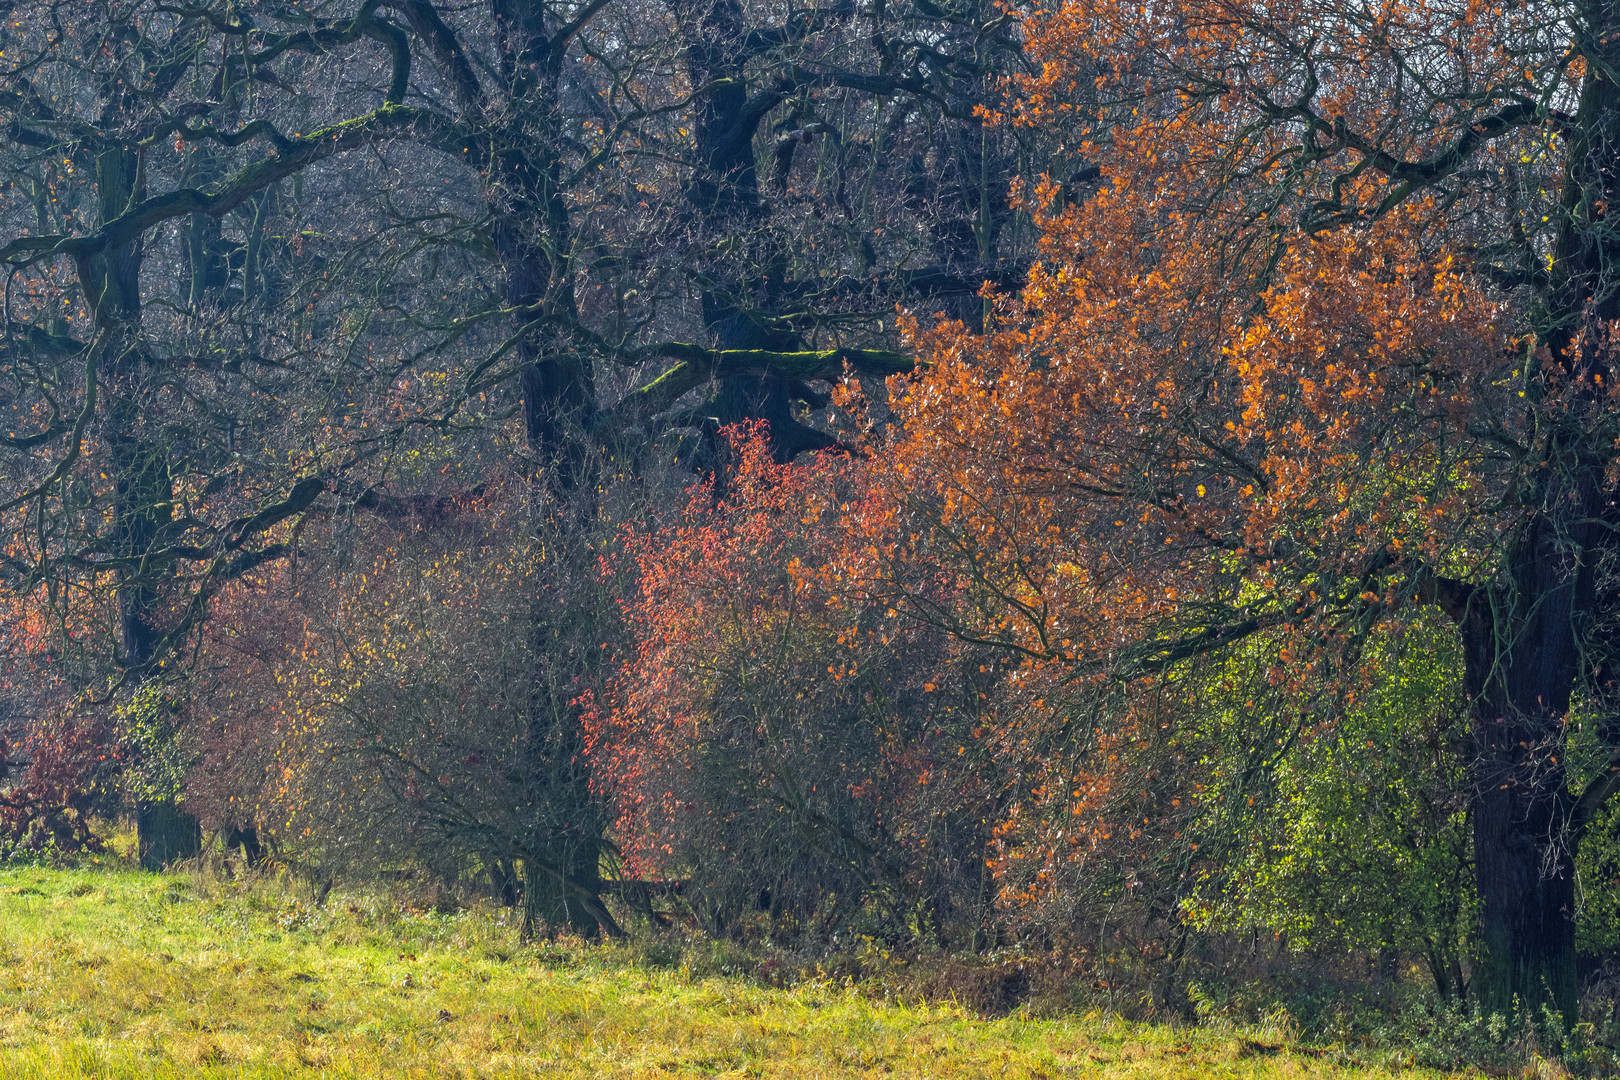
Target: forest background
1133	485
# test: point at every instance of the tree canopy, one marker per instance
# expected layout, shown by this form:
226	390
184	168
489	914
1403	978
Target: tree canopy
1328	344
961	467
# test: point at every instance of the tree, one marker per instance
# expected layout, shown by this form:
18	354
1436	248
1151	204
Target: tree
1330	339
269	262
381	712
779	749
1359	839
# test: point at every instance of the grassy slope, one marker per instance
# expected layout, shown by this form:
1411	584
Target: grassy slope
117	974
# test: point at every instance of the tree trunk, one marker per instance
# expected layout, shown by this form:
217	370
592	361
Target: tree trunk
533	242
549	901
561	873
1522	657
166	834
724	194
1525	873
1529	636
244	838
503	880
144	489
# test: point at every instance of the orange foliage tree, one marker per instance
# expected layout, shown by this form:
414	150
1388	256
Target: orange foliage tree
776	743
1322	336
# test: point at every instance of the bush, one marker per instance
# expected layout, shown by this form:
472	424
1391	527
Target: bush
784	749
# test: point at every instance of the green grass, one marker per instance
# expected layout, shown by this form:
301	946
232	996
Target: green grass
121	974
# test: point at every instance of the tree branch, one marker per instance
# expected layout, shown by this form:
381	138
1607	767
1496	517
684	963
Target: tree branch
447	52
699	365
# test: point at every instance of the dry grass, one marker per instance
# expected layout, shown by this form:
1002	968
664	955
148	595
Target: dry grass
119	974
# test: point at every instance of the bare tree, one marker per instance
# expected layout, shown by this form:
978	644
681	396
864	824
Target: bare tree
271	264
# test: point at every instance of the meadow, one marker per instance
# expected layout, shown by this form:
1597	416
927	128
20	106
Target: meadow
111	973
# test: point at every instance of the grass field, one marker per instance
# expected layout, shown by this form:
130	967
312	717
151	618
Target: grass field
120	974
